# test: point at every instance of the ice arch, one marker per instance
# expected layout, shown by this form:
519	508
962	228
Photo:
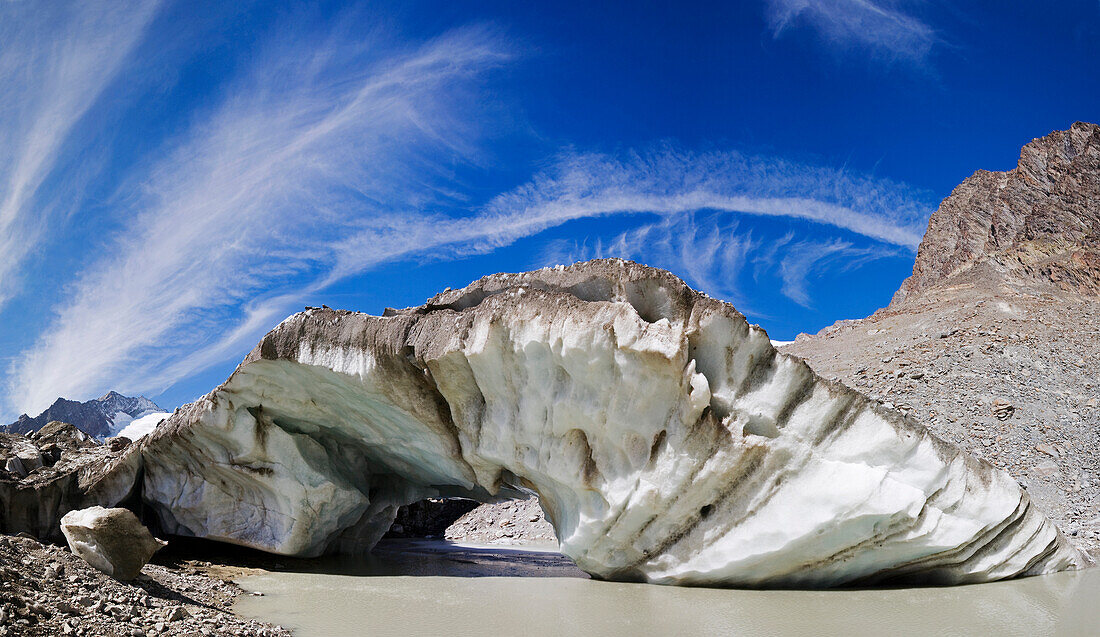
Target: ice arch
666	438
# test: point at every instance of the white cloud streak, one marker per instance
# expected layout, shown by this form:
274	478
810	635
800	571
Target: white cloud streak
711	252
874	25
293	185
312	140
55	62
799	262
666	182
708	250
669	182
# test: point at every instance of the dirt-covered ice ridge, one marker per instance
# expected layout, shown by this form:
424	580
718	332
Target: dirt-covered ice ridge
666	438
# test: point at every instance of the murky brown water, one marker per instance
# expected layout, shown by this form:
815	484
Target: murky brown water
431	588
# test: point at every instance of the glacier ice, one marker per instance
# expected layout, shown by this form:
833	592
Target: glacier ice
666	438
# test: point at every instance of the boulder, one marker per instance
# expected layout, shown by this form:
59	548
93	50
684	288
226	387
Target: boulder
21	457
112	540
117	443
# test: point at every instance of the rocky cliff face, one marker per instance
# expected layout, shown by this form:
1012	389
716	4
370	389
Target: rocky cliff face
1039	222
665	437
992	342
100	417
54	470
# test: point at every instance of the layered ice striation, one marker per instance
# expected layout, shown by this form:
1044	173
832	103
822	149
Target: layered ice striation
666	438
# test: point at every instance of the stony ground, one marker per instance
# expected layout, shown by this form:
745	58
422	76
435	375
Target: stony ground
516	522
46	590
1006	372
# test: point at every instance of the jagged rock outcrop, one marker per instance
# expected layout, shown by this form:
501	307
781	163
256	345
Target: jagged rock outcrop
55	470
112	540
992	342
102	417
1038	221
666	438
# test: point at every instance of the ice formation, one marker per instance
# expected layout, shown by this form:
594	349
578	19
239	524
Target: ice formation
666	438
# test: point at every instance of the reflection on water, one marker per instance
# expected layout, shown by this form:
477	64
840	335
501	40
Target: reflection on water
433	588
447	559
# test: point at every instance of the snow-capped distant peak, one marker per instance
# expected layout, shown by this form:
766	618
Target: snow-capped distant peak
100	417
140	427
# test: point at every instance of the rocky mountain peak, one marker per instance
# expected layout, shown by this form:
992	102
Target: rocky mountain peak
98	417
1039	222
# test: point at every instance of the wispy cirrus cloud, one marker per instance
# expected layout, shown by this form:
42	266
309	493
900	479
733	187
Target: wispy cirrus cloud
670	181
709	250
258	210
321	162
712	251
699	198
55	63
311	142
665	181
798	261
878	26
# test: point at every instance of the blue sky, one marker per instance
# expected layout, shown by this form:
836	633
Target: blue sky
177	177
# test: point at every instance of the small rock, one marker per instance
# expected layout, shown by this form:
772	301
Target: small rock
1002	409
1046	468
118	443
